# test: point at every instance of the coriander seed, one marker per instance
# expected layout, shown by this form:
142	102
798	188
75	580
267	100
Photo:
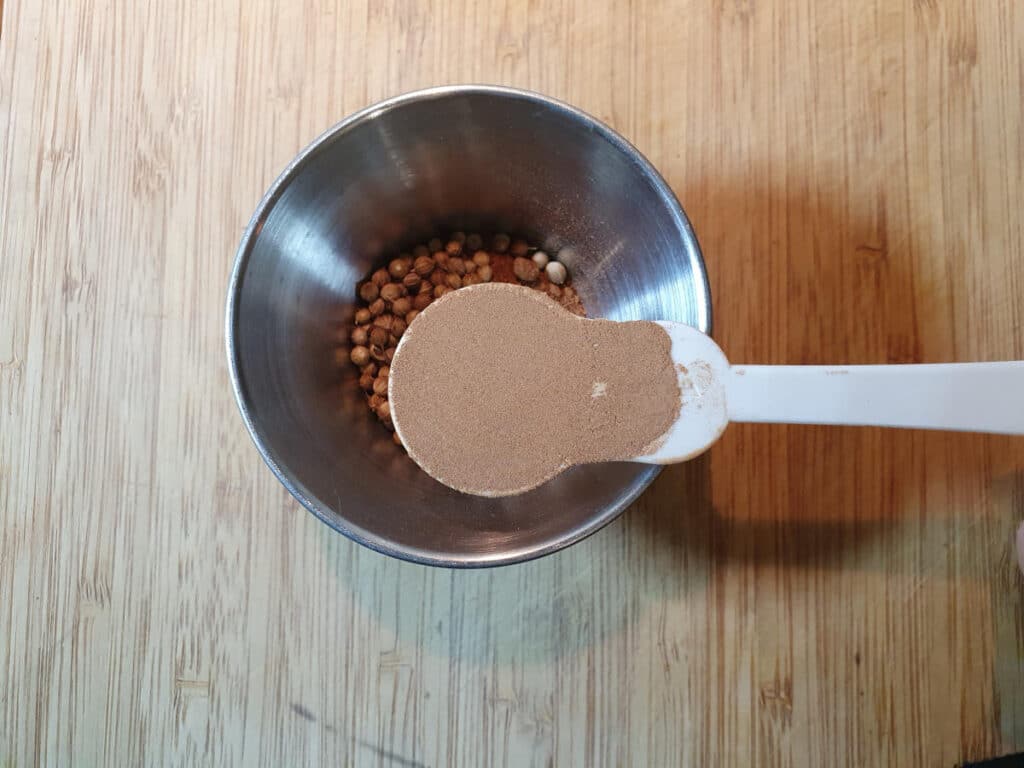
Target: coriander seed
360	355
359	336
392	291
525	270
423	265
402	306
501	242
379	336
368	291
398	268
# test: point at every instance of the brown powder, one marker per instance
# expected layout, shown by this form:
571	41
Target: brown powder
496	388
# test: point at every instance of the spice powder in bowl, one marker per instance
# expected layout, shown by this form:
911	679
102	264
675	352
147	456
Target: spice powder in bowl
495	389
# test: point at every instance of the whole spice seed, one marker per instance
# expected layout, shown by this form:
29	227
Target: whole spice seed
399	268
379	336
525	270
360	355
556	272
380	277
501	243
368	291
402	306
423	265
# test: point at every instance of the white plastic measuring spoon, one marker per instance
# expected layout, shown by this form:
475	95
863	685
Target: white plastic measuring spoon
496	388
969	397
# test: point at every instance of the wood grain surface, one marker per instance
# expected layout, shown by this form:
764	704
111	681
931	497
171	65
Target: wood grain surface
798	597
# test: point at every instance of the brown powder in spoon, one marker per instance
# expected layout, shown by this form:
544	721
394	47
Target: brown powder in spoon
496	388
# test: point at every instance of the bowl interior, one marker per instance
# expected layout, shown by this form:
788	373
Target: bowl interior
476	159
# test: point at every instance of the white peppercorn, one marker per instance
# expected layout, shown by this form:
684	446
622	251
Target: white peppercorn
556	272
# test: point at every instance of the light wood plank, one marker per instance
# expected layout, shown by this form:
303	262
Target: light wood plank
799	597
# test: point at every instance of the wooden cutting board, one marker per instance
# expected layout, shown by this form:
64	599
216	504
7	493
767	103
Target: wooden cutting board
799	597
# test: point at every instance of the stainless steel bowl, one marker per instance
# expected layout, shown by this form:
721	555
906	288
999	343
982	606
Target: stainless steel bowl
473	158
